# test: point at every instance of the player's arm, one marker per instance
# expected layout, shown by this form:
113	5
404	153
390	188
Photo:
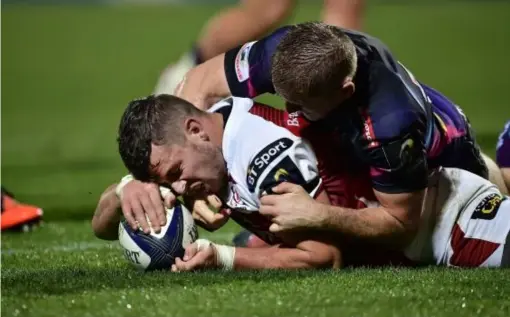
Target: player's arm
399	178
308	254
297	252
244	71
107	216
394	223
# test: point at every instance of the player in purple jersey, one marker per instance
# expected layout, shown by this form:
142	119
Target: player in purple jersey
349	82
503	154
247	21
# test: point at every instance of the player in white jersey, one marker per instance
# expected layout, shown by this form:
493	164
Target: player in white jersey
465	222
231	152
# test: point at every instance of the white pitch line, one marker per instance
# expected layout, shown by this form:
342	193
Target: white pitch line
83	246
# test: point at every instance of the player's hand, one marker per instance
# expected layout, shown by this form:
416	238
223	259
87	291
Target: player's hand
290	208
205	216
199	255
140	201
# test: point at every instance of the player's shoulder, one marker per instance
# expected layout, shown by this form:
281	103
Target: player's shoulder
260	154
503	147
395	103
505	134
246	134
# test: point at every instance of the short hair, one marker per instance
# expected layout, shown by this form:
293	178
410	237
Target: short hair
312	60
151	120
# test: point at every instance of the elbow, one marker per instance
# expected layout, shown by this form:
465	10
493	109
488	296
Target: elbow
327	257
404	231
103	233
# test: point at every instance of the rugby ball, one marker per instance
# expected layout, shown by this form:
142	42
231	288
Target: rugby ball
157	251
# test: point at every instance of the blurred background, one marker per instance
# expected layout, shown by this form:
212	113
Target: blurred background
70	67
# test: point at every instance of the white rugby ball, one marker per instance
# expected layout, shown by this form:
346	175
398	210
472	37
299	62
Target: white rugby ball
157	251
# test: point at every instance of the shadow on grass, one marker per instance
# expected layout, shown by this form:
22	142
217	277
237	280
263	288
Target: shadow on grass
67	280
80	213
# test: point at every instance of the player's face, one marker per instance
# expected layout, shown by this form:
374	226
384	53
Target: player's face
312	110
199	166
317	107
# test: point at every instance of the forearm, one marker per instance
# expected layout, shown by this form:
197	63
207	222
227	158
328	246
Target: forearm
373	224
286	258
208	82
107	216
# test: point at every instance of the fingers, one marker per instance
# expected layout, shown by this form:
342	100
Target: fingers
197	261
214	201
159	209
139	214
183	266
275	228
150	212
269	200
269	210
190	251
128	214
219	220
169	200
168	196
286	188
203	210
200	221
152	205
226	212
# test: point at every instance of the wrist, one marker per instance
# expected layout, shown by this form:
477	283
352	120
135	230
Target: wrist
123	182
323	216
225	256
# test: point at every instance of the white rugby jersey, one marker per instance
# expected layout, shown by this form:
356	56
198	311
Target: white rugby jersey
259	155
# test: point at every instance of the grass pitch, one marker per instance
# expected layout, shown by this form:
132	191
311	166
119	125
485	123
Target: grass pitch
67	73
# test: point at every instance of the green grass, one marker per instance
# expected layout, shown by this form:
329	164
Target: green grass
67	73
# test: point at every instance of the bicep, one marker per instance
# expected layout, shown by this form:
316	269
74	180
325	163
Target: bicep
404	207
248	67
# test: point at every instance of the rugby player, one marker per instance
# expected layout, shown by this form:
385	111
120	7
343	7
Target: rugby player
459	226
247	21
384	119
503	154
164	139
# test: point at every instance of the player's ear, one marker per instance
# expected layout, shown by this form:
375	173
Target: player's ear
348	88
194	129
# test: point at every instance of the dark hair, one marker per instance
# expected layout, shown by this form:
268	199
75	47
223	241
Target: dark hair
151	120
313	59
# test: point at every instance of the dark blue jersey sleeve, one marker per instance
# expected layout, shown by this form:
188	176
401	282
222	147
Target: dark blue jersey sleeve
393	134
248	67
503	147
